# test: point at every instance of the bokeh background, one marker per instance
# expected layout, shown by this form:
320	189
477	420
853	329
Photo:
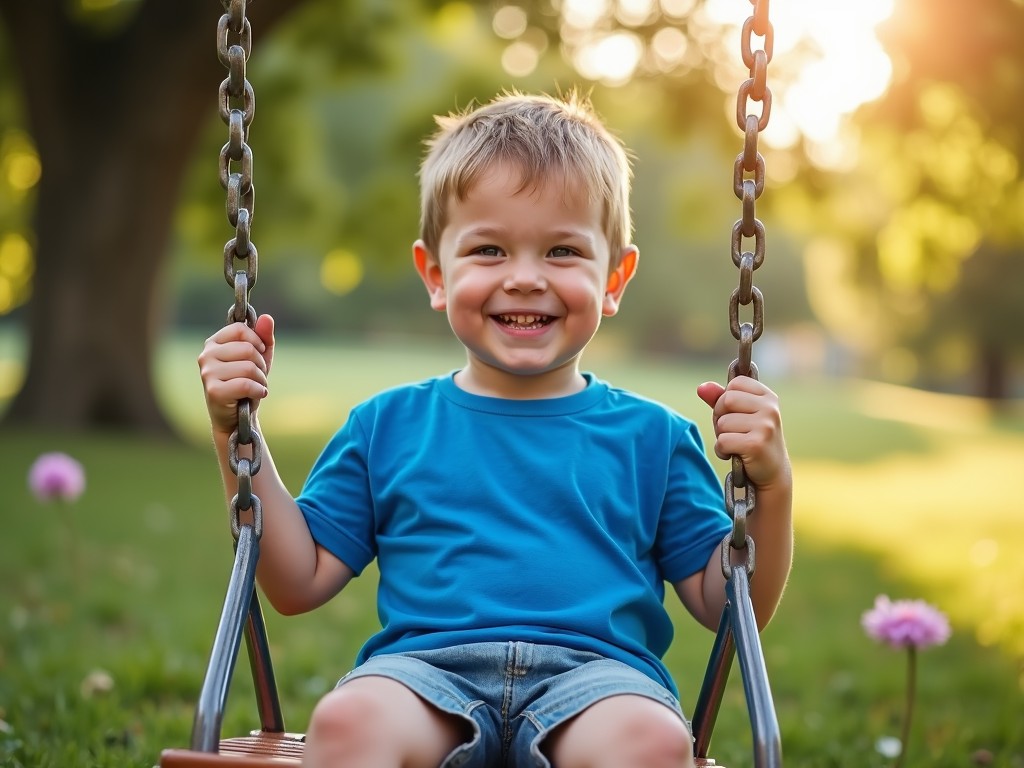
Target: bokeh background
894	294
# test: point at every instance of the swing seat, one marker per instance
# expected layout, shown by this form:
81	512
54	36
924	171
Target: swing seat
266	750
259	749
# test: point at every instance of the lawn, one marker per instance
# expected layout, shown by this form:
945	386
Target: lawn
107	609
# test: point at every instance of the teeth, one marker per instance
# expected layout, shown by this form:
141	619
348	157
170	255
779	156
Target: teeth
521	320
524	320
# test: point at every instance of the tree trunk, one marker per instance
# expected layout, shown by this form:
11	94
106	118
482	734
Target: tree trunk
115	120
993	374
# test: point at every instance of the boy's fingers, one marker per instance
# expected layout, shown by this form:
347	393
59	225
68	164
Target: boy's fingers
236	332
747	384
215	358
228	370
228	392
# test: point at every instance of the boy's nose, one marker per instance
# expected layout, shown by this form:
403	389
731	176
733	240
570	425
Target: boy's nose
524	276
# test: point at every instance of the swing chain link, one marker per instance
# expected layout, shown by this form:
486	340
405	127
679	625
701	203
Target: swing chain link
748	189
237	104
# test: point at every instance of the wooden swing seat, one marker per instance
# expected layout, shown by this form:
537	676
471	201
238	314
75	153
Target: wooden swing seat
266	750
257	750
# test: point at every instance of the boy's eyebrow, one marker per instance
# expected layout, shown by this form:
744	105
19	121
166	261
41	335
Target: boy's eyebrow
482	231
571	234
485	231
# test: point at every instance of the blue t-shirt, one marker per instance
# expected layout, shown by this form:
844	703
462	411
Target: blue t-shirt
553	521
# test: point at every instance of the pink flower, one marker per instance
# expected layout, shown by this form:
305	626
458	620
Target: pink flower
906	623
56	476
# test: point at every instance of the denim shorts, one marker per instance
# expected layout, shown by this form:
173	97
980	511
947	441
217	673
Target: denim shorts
511	693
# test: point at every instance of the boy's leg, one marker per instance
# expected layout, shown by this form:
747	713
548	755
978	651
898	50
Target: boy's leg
376	722
581	710
624	731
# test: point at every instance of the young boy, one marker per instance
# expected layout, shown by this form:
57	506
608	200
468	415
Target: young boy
524	515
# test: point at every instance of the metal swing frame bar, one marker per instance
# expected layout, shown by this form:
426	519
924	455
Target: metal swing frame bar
242	614
738	636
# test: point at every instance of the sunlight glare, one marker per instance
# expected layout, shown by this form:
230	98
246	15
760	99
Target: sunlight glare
633	13
341	271
847	67
611	59
20	168
677	8
827	58
584	14
669	46
15	256
509	22
519	59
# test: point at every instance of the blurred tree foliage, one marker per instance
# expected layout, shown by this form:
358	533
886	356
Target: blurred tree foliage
117	107
910	225
113	103
917	250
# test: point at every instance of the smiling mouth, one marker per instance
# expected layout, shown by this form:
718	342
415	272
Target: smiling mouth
524	322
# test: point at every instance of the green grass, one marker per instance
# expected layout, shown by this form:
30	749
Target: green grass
898	492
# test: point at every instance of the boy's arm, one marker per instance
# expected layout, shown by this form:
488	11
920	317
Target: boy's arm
771	528
295	573
748	425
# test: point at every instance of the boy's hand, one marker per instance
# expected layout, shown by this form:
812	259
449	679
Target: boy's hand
234	365
748	424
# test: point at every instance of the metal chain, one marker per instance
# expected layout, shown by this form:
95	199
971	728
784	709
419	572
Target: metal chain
237	106
748	190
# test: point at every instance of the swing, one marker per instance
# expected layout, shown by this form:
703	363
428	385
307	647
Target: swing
272	745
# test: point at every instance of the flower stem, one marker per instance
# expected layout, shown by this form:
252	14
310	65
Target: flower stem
74	555
909	707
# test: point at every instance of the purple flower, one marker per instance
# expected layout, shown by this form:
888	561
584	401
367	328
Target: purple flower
906	623
56	476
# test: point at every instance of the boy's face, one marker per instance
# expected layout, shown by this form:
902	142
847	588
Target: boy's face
524	276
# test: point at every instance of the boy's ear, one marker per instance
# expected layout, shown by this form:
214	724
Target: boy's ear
429	270
618	280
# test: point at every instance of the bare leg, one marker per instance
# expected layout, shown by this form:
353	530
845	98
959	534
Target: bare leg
622	732
376	722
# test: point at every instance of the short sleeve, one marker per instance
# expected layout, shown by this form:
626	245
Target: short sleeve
336	499
693	519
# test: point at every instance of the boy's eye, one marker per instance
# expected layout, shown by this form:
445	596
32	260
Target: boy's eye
561	252
488	250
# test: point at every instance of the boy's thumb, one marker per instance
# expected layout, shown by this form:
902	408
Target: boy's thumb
265	330
709	392
265	327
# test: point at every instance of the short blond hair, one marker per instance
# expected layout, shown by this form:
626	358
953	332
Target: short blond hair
540	135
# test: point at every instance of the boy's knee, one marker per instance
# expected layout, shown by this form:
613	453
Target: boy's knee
346	714
663	740
655	736
378	721
624	731
353	719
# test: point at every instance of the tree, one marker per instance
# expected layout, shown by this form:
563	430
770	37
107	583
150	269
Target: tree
983	309
114	106
910	238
